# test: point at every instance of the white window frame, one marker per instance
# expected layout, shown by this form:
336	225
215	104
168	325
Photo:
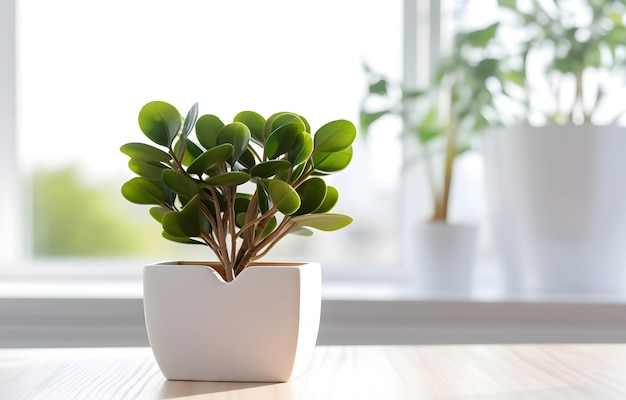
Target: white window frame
11	233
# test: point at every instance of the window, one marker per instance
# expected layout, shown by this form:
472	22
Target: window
85	69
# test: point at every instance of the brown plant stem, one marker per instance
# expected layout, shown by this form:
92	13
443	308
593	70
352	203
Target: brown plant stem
450	156
231	193
285	226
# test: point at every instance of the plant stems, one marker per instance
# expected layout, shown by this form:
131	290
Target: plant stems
450	156
267	243
430	175
230	206
442	200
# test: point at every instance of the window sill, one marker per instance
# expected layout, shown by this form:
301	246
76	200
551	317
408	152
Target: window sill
363	315
366	288
103	307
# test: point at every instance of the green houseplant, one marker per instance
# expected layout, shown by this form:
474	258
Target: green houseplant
566	61
198	187
443	117
554	190
238	188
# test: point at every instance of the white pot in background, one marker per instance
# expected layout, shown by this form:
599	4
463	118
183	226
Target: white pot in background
445	257
557	203
262	327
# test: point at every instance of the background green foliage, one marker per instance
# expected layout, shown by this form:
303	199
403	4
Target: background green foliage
73	218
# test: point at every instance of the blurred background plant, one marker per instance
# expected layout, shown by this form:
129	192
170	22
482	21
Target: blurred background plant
566	61
459	103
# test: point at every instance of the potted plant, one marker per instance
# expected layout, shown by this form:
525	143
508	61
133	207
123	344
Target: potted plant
238	188
442	119
554	187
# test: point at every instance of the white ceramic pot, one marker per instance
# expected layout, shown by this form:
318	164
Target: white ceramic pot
262	327
445	257
557	204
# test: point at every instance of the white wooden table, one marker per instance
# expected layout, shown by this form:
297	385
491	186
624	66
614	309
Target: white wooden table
488	372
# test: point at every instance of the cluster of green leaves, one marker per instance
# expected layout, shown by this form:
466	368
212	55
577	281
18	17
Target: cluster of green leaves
241	186
462	79
586	44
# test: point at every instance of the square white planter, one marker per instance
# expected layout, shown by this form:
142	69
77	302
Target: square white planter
262	327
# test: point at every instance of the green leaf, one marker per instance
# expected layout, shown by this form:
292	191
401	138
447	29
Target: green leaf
184	223
160	122
264	203
282	139
228	179
255	122
146	169
284	197
332	196
481	38
143	191
593	57
191	151
429	127
297	172
366	119
307	127
189	121
379	87
563	65
211	159
242	202
236	134
301	149
269	168
334	136
426	133
184	240
487	68
145	152
158	212
240	219
179	183
283	118
247	159
170	197
413	93
271	225
617	36
323	222
312	193
515	76
511	4
301	231
332	162
207	128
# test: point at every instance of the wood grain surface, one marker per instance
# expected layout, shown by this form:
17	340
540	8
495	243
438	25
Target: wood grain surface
589	371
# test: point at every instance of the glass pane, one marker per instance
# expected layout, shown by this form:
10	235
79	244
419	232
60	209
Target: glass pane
85	69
